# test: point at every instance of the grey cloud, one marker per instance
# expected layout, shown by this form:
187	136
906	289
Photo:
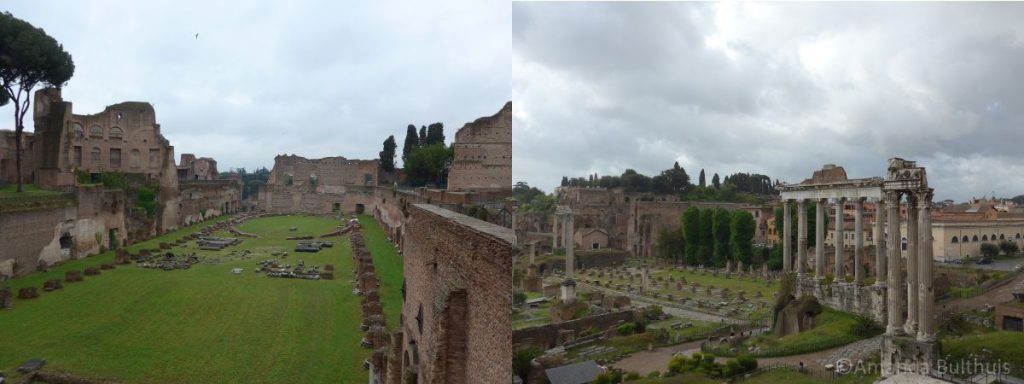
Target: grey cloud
775	88
315	78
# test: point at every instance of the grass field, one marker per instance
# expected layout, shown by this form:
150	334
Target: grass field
1004	346
203	324
388	264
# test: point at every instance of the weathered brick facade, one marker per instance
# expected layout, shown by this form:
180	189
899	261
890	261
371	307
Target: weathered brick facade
457	311
483	153
330	184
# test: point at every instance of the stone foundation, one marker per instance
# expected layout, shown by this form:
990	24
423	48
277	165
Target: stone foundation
866	300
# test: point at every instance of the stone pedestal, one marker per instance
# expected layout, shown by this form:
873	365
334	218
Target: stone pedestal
532	282
568	291
907	354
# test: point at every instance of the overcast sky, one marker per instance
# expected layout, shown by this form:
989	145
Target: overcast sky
772	88
314	78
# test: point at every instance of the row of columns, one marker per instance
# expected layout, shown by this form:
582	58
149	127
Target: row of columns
819	239
917	291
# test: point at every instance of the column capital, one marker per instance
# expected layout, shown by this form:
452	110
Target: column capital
912	200
924	200
892	197
801	202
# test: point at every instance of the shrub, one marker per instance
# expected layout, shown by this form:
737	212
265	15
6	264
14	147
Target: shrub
865	326
521	361
654	312
613	377
632	376
627	329
518	298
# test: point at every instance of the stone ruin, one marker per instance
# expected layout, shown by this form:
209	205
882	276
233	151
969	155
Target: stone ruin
6	298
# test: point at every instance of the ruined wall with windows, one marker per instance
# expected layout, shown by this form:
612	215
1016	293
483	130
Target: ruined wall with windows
204	199
319	186
483	153
40	231
457	308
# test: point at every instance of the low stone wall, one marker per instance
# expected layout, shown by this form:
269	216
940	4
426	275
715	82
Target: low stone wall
866	300
549	336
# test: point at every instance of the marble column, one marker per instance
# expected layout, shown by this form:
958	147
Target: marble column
554	233
837	269
858	241
801	235
894	296
570	244
879	235
912	234
819	239
787	235
925	263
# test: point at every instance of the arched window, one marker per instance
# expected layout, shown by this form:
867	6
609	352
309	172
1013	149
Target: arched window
965	239
984	237
77	131
1001	237
975	238
96	131
904	244
955	239
94	156
116	133
1018	235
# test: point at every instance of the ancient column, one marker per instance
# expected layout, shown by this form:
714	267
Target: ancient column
533	252
801	235
912	234
787	234
837	269
570	244
554	232
819	239
879	236
925	263
894	292
858	240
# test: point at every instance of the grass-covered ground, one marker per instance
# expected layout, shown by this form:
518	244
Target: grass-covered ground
832	328
388	264
203	324
1002	345
10	190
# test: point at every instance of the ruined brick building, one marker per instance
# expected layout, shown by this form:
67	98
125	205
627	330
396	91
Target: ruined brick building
67	153
192	168
330	184
483	153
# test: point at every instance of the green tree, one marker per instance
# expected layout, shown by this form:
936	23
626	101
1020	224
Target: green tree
989	250
411	142
428	165
670	245
28	57
720	223
742	231
435	134
702	183
707	236
716	182
387	155
691	234
423	136
1009	248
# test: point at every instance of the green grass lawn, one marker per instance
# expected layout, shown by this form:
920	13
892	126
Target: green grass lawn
833	328
10	190
388	264
1004	346
203	324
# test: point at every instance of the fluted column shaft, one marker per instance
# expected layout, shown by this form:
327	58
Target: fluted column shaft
837	269
801	235
925	263
912	280
819	239
787	235
858	241
879	236
894	297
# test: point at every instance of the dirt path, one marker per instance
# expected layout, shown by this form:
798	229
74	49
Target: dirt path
1000	294
670	308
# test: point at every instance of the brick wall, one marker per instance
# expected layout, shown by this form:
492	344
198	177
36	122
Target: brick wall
483	153
458	271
